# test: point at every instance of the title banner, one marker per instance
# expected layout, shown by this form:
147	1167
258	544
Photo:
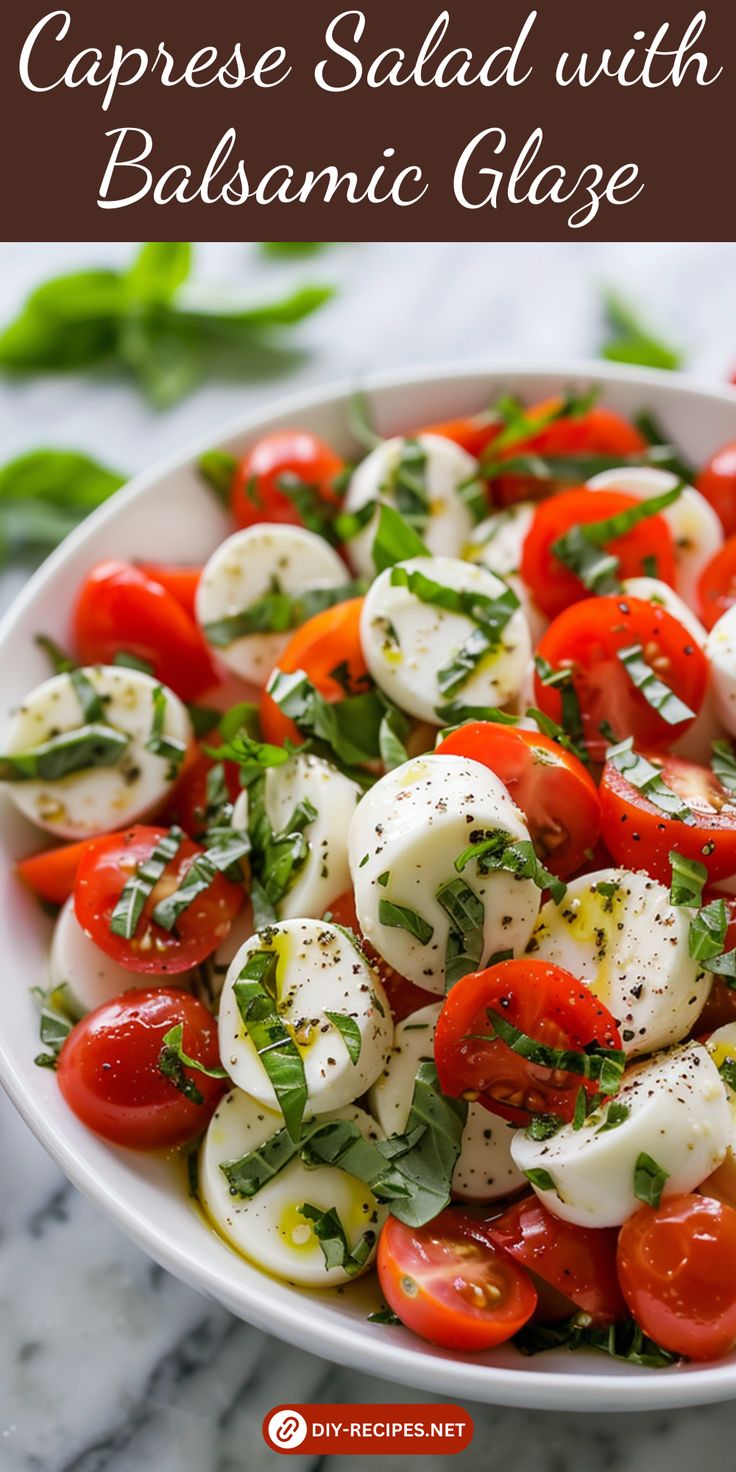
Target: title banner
571	119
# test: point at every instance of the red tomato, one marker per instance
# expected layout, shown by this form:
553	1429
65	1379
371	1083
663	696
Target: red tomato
404	996
579	1262
294	454
677	1269
102	874
109	1074
717	582
598	432
717	482
555	793
189	800
473	435
322	646
51	874
587	639
539	999
553	585
180	582
449	1285
640	835
119	608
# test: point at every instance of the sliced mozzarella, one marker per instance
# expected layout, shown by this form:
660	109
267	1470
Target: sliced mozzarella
319	970
484	1170
325	873
653	590
99	798
696	530
678	1115
248	565
630	946
722	1048
406	833
269	1228
720	650
407	643
448	468
77	963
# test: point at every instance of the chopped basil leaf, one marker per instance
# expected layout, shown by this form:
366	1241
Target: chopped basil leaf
622	1341
494	849
582	549
278	612
93	706
615	1115
603	1065
580	1110
130	661
172	1060
348	728
490	616
383	1316
203	718
401	918
544	1126
58	1015
193	1174
349	1032
199	877
276	858
725	966
727	1070
688	878
658	695
253	757
350	524
557	733
407	484
518	425
61	662
649	1180
218	469
316	511
140	886
393	733
562	680
360	422
647	778
240	720
395	540
466	912
457	714
256	997
541	1179
654	435
708	932
332	1238
72	751
247	1176
169	747
723	765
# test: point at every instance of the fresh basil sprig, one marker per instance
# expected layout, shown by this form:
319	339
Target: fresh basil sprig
44	495
631	341
494	849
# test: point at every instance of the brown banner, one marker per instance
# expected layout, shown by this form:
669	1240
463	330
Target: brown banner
305	118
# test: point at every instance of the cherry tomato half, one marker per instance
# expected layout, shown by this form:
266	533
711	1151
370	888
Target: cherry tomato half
677	1269
717	583
101	877
539	999
287	455
119	609
109	1070
51	873
598	432
181	582
324	647
640	835
473	434
589	638
555	793
448	1284
553	585
188	805
404	996
579	1262
717	482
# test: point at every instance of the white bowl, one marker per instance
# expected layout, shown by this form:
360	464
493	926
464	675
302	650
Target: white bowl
169	513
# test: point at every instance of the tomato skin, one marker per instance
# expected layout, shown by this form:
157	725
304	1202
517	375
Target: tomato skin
51	874
542	1000
600	431
553	585
255	495
717	482
119	608
329	639
551	786
180	582
588	637
473	434
579	1262
717	582
404	996
640	836
449	1285
108	1069
103	871
676	1269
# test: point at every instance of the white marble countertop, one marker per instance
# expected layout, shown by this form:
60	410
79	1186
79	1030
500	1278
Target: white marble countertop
106	1363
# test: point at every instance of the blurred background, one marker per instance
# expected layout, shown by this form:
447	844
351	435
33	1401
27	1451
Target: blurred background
106	1363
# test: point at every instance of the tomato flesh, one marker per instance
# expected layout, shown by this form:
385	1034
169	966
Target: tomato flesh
551	786
326	643
597	432
109	1075
188	805
587	640
180	582
51	874
717	482
449	1285
288	455
717	583
541	1000
640	835
677	1269
579	1262
102	874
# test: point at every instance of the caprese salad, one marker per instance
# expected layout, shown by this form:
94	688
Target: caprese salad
398	876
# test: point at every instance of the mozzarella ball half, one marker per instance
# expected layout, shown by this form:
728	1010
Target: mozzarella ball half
720	650
447	469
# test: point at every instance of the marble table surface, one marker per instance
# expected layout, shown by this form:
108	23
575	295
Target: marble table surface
107	1364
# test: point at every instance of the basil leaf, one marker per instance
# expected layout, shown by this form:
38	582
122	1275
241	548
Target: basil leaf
91	703
204	719
278	613
256	997
493	849
616	1114
130	661
332	1238
170	748
277	858
603	1065
401	918
392	736
544	1126
466	912
360	422
383	1316
139	888
348	728
557	733
426	1154
218	469
349	524
407	484
541	1179
248	1176
648	779
658	695
562	680
688	878
649	1180
200	875
707	932
622	1341
61	662
725	966
172	1060
79	750
723	765
582	548
490	615
59	1013
518	425
727	1070
395	540
349	1032
159	269
631	341
457	714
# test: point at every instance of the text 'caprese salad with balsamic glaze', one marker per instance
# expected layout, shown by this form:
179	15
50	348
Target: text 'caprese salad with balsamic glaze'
399	874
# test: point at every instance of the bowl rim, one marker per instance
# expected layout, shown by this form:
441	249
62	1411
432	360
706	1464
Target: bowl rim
450	1376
